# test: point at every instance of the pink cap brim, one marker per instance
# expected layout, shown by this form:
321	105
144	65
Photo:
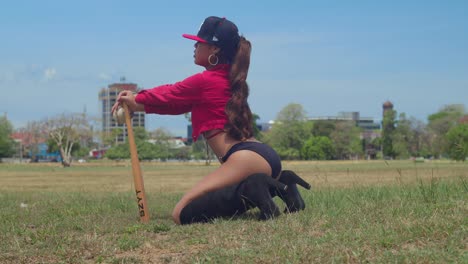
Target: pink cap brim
193	37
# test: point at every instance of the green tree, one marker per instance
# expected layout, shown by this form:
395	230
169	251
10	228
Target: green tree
110	139
117	152
317	148
256	130
454	111
346	141
439	124
293	112
410	138
289	131
154	145
66	130
140	134
34	134
53	147
457	139
388	129
419	146
81	152
182	153
402	137
198	150
160	139
323	128
147	150
7	144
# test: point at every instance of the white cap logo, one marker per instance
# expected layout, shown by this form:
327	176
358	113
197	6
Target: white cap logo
215	38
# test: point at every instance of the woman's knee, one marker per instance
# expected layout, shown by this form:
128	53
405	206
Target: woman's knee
176	216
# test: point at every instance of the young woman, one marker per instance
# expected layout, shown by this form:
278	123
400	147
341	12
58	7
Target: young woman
217	100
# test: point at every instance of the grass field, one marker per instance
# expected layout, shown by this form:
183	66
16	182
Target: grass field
358	211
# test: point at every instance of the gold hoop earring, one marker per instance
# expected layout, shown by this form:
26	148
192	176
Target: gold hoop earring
213	63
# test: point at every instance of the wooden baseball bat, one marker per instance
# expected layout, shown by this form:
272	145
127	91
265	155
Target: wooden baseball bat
137	176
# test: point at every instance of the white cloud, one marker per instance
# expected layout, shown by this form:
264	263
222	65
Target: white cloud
104	76
49	73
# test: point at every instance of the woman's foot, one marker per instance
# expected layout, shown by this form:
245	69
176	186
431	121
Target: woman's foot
255	191
292	197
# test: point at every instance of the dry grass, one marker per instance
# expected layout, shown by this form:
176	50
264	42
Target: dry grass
375	173
100	177
179	177
358	211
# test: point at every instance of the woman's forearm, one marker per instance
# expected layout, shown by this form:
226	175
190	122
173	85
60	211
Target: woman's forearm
139	107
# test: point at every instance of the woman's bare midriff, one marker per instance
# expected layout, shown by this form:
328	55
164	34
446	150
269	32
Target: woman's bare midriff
220	143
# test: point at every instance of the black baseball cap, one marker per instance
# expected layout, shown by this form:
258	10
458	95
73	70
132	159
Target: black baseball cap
219	32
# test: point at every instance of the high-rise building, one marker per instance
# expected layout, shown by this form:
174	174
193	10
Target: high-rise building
107	97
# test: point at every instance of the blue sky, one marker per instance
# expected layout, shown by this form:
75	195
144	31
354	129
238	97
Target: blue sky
328	56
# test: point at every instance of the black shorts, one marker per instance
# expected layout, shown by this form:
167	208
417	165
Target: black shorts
262	149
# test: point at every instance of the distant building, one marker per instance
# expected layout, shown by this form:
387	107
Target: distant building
463	119
43	154
189	134
264	127
366	123
97	153
108	97
370	129
173	143
34	147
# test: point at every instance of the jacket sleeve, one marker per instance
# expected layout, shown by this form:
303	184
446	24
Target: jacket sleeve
166	110
172	99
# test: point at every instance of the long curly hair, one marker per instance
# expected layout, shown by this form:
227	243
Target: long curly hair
240	125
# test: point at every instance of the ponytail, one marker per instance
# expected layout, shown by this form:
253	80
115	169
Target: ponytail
238	111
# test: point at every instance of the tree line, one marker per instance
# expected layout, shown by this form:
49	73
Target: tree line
445	135
293	136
